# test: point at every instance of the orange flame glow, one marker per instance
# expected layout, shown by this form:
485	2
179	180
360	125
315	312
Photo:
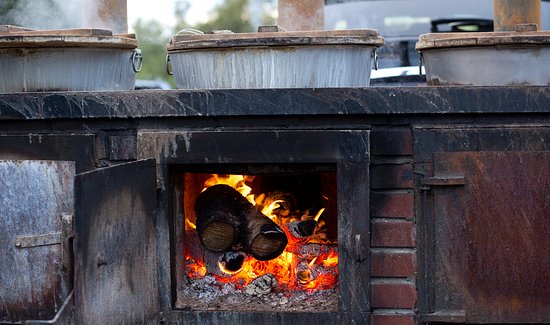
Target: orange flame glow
190	224
238	182
292	269
331	260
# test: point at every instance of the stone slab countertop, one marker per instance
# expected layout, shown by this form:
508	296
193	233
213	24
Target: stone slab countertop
280	102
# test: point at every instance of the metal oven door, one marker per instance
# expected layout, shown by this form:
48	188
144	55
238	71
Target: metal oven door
36	203
487	237
116	276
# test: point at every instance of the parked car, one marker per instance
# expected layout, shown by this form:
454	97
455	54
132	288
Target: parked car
400	22
151	84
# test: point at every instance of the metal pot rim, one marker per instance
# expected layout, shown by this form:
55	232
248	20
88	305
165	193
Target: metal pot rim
457	40
232	40
17	37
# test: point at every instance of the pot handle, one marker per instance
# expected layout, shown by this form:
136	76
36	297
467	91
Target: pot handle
137	60
420	64
168	65
375	58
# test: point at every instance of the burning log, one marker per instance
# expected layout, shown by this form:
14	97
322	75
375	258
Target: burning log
261	285
309	251
302	229
219	263
308	272
217	221
225	218
264	239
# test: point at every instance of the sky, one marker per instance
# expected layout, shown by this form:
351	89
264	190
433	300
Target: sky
163	11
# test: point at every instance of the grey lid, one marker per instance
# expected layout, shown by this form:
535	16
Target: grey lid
19	37
525	34
369	37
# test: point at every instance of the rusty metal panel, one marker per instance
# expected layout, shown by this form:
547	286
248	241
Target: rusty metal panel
33	198
492	236
116	276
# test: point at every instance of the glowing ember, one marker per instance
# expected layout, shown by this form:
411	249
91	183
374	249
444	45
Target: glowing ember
309	262
231	262
331	260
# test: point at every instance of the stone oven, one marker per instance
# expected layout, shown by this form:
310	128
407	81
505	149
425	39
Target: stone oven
435	203
306	178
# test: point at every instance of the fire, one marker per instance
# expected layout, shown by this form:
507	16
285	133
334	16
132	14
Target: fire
331	260
190	224
195	270
318	215
238	182
308	263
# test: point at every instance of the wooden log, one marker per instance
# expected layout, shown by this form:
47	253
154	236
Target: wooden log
218	223
219	263
225	218
309	251
264	239
300	230
306	273
231	262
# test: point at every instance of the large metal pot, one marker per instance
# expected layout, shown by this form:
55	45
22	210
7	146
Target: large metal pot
521	57
76	59
309	59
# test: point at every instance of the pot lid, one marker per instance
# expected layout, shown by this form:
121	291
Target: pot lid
20	37
273	36
525	34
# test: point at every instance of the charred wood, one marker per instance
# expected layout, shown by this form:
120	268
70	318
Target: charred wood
301	229
310	251
226	219
219	263
264	239
218	222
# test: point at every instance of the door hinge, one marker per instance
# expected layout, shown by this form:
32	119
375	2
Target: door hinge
428	182
38	240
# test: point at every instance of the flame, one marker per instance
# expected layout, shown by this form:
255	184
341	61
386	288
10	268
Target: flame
238	182
319	214
226	271
195	270
190	225
331	260
293	271
312	261
268	210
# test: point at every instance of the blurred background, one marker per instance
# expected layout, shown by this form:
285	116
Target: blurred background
153	22
400	22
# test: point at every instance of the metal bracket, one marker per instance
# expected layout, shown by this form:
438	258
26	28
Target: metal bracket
428	182
447	316
38	240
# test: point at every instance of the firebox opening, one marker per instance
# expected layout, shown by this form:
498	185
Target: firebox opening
260	239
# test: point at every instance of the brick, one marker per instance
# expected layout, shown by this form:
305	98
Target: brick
396	233
391	142
392	264
393	295
391	176
392	319
392	205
